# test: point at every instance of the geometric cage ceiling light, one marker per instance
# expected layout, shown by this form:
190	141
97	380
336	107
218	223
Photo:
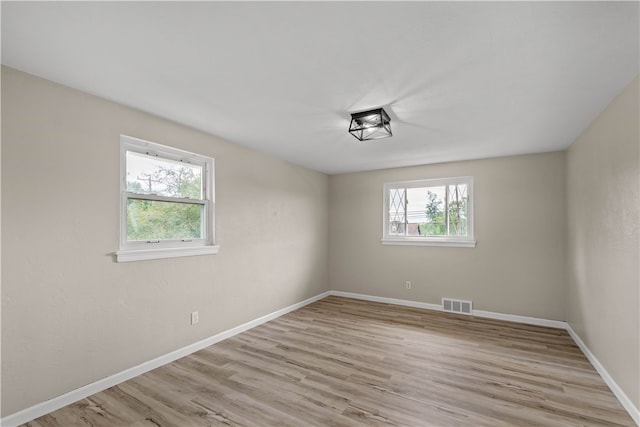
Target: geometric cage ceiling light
371	124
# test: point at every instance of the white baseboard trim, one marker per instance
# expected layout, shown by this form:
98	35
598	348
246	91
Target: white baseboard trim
403	302
621	395
63	400
558	324
479	313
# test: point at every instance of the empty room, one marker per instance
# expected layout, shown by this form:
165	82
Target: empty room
320	213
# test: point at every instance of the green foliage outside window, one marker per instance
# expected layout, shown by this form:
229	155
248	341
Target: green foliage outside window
165	220
435	224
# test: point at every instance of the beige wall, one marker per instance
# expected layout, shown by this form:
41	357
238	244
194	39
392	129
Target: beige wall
70	314
602	217
517	267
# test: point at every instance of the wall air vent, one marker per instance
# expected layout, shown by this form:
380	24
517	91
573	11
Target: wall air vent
457	306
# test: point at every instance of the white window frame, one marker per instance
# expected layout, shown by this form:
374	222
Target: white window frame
455	241
140	250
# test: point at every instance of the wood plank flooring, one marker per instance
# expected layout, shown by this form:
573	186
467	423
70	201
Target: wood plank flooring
344	362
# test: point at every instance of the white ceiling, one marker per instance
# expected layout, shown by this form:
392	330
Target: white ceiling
460	80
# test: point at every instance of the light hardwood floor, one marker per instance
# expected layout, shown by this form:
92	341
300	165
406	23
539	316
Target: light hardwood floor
348	362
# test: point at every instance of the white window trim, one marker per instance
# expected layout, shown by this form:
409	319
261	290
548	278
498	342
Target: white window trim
143	255
454	241
140	251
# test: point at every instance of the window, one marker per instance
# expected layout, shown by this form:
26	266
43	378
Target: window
429	212
167	202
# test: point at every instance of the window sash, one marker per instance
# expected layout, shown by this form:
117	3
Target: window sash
164	243
203	219
172	159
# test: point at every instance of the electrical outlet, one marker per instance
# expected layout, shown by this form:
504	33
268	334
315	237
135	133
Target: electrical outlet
194	317
407	284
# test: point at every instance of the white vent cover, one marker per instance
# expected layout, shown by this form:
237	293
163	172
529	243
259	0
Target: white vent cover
457	306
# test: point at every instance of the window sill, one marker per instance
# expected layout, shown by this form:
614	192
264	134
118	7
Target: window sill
419	241
147	254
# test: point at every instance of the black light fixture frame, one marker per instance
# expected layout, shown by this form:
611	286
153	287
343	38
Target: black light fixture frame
370	124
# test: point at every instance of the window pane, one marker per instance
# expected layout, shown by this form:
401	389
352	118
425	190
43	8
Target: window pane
415	210
397	200
429	205
155	220
164	177
457	209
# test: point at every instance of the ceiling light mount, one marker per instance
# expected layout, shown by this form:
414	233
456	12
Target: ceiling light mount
370	124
